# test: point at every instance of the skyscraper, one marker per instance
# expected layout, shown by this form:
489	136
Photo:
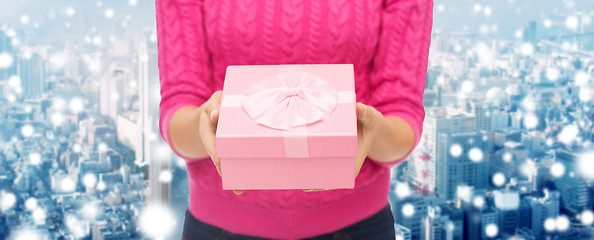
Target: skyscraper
436	226
32	71
529	33
149	98
542	209
422	166
402	233
413	222
575	195
468	168
476	220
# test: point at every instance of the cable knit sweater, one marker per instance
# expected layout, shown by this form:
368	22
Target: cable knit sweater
386	41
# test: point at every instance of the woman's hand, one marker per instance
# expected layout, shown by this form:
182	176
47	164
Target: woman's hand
368	119
209	117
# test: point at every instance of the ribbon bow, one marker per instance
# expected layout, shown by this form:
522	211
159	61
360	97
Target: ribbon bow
289	100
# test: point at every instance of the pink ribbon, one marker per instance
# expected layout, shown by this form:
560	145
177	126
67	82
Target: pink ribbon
289	100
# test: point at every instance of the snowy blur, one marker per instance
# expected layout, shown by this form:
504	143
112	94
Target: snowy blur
506	151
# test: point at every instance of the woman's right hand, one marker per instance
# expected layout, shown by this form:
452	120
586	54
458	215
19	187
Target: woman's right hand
209	117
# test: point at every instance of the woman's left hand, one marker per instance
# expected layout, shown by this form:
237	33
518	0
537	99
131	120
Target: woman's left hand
368	119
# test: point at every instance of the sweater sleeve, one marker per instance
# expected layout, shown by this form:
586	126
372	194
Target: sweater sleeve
400	63
185	71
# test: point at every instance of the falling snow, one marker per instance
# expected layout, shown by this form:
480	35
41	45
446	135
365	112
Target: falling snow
456	150
586	217
491	230
475	154
157	221
498	179
562	223
557	170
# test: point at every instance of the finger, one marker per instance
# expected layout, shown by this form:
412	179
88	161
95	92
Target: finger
318	190
238	192
214	116
207	135
361	111
214	103
367	115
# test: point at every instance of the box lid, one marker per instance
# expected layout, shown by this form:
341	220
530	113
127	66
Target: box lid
335	135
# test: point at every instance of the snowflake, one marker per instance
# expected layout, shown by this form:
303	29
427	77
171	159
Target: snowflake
27	130
568	134
547	23
76	226
76	105
39	216
24	19
456	150
70	11
552	73
101	186
507	157
408	210
587	217
550	224
89	180
157	221
14	82
491	230
527	49
475	154
7	201
562	223
530	121
90	211
571	22
402	190
585	94
35	158
581	78
31	203
58	104
478	201
6	60
26	234
67	185
487	11
165	176
498	179
586	165
57	119
557	169
109	13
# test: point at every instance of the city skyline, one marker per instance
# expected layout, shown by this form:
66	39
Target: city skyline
505	151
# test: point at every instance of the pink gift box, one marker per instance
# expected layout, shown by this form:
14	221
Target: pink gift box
299	136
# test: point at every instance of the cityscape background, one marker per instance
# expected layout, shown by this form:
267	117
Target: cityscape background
506	151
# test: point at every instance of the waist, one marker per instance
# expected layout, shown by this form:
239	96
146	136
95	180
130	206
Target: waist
286	214
196	229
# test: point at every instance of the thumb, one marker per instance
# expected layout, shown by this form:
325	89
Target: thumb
362	111
214	116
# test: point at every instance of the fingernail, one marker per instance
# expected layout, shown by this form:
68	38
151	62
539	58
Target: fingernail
213	113
365	112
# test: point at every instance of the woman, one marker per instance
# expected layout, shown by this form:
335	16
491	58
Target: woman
386	41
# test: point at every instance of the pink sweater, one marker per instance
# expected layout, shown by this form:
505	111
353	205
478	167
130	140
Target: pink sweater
386	41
